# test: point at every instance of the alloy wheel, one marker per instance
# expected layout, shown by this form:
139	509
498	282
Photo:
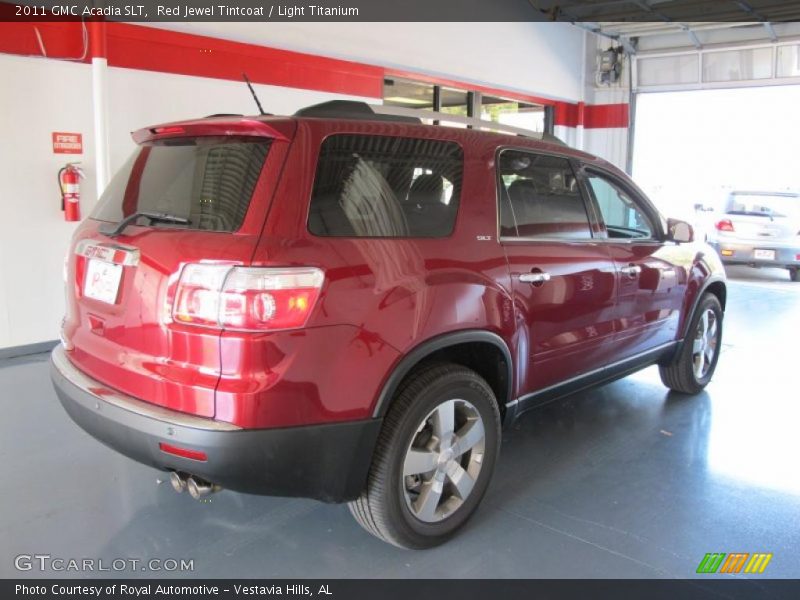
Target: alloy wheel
704	347
443	461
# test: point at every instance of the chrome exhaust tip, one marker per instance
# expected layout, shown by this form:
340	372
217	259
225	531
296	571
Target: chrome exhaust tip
199	488
178	481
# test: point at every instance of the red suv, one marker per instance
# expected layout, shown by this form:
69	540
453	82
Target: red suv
347	306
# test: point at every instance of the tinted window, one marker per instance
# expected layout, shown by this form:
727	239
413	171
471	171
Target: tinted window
207	180
623	218
539	197
376	186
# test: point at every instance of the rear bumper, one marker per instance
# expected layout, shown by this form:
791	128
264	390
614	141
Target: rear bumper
325	462
742	253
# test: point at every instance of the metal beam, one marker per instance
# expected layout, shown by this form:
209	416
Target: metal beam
692	35
773	36
745	6
628	43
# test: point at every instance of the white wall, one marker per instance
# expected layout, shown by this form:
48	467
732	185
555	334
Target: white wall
610	143
535	58
33	233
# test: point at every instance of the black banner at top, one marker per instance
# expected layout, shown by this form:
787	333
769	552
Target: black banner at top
401	10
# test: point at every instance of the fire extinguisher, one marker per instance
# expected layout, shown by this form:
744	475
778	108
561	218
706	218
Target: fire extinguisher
69	178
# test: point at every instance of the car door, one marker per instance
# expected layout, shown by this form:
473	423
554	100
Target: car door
650	279
563	279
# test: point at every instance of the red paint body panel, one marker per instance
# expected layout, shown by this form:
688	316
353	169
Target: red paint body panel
133	345
648	306
566	326
381	298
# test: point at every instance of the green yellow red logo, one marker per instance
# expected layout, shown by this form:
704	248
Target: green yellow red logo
735	562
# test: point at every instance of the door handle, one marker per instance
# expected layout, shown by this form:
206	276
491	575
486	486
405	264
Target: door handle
631	271
538	277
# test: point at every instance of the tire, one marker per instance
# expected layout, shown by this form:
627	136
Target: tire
794	274
693	367
393	506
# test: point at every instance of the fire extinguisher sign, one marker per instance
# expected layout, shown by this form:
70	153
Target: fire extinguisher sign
67	143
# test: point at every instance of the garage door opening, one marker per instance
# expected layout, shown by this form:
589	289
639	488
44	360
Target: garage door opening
692	148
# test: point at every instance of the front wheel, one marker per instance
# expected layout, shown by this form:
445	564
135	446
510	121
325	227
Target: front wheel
433	459
693	367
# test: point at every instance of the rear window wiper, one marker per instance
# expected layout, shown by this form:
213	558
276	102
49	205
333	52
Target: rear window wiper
114	229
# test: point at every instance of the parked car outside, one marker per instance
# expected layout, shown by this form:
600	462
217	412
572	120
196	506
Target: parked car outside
759	229
348	306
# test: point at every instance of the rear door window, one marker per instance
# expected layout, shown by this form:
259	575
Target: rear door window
207	180
381	186
540	198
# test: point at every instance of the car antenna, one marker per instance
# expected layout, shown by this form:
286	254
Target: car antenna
252	91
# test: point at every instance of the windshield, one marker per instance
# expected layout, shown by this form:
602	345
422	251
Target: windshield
766	205
207	181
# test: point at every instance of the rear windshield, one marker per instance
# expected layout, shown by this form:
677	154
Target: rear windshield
380	186
766	205
207	180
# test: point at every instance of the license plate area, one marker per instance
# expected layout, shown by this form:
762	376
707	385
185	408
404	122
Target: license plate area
102	281
764	254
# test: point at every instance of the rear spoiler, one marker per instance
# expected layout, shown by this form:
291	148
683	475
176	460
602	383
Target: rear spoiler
208	127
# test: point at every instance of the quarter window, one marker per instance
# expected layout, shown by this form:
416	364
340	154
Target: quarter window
540	198
622	217
379	186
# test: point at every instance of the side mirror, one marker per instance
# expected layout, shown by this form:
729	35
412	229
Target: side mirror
679	231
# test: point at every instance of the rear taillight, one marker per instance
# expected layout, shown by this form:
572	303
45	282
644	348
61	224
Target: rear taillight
724	225
246	298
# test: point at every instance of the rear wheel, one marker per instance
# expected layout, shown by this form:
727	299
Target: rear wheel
433	459
794	274
693	367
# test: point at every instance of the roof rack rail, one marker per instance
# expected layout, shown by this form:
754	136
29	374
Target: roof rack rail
223	115
473	122
351	109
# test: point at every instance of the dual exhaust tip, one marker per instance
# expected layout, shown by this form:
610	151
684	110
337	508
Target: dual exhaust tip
198	488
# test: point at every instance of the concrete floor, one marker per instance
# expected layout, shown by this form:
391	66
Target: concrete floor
622	481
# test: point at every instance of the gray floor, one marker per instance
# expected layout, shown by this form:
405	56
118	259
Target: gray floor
623	481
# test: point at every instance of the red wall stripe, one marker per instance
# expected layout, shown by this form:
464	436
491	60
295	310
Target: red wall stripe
97	39
566	114
607	115
595	116
151	49
61	40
